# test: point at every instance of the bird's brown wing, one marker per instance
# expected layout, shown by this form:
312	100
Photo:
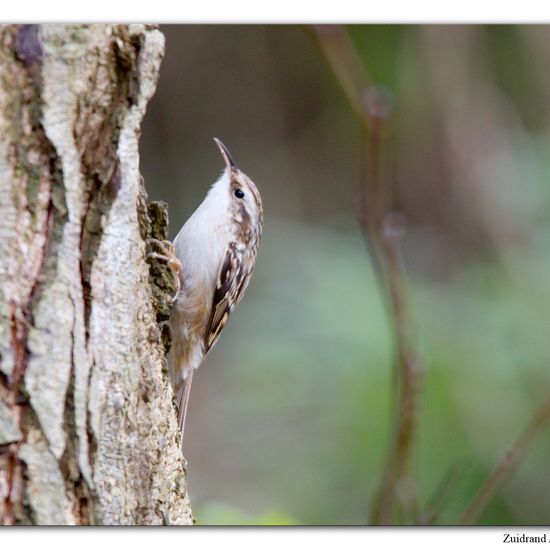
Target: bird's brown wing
232	281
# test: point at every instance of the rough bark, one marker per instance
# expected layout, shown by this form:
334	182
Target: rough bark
88	430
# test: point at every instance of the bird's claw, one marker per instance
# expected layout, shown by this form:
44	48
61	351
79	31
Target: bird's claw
169	256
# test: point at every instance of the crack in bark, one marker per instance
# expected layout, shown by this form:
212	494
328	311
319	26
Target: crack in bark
17	399
75	484
96	133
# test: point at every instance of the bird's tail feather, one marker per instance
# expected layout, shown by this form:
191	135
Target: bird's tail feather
182	400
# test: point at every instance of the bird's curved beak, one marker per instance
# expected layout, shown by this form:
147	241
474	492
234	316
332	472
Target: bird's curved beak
229	162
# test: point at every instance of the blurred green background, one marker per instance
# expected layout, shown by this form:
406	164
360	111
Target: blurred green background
290	414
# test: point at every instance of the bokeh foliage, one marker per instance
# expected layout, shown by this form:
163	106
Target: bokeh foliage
290	415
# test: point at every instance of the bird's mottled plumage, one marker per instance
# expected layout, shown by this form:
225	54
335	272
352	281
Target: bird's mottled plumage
217	248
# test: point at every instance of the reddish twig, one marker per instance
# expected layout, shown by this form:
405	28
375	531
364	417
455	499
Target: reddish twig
382	229
396	482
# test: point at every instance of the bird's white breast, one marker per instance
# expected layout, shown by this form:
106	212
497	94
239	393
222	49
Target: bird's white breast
200	245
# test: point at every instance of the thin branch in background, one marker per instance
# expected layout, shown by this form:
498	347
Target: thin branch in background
342	57
382	229
507	465
396	482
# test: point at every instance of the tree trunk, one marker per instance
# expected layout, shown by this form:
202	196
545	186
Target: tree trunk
88	430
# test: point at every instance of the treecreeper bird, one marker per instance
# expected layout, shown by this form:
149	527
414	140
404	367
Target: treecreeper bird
215	253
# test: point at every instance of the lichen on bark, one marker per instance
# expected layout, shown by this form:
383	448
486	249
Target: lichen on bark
88	431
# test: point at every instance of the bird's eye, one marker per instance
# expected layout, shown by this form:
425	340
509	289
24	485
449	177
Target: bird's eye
239	193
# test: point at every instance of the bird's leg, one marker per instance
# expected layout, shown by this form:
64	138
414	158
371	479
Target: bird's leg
169	256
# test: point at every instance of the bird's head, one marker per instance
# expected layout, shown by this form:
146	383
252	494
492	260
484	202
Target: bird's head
244	201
